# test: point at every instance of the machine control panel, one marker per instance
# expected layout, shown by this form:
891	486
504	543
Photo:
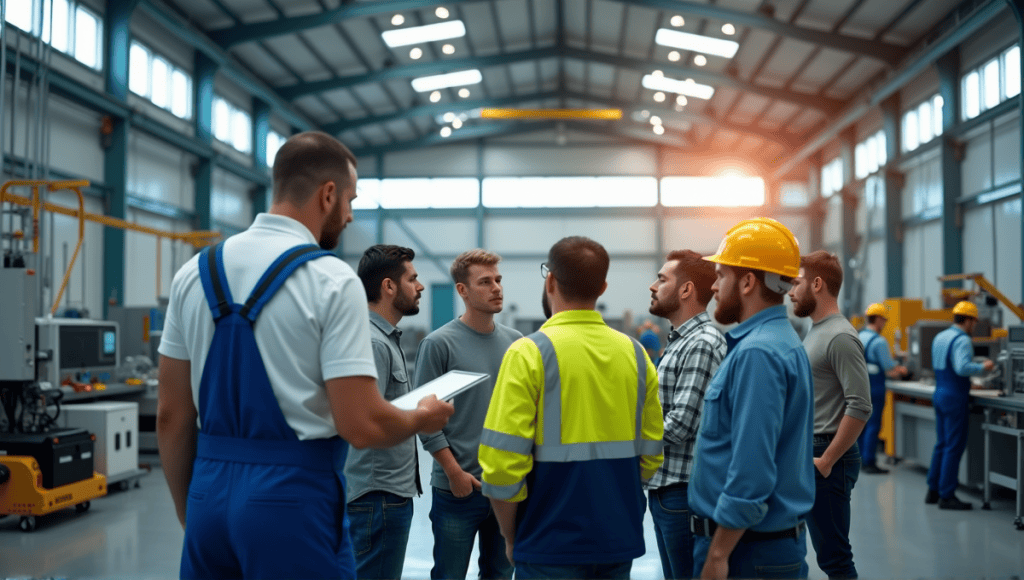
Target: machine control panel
1013	372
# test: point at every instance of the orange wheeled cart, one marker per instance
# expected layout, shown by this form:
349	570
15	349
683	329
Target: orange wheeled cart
22	492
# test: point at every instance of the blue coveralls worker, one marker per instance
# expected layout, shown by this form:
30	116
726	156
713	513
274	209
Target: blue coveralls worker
261	503
952	352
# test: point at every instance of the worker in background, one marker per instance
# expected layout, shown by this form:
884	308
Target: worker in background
382	482
695	349
880	366
573	427
473	342
753	480
952	360
647	334
842	405
273	382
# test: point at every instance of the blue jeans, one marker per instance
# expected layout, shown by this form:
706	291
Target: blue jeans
782	558
670	511
868	441
619	571
828	523
380	524
950	442
456	522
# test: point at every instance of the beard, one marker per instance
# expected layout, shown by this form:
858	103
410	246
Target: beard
664	308
729	308
545	304
407	305
805	306
331	232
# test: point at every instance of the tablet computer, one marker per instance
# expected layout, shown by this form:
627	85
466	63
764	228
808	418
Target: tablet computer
443	387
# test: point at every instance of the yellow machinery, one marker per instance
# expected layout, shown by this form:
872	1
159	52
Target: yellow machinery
23	494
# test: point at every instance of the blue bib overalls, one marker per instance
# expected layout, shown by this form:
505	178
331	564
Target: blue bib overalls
952	396
869	438
261	503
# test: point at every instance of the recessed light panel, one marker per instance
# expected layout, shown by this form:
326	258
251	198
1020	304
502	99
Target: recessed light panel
453	79
423	34
696	42
687	87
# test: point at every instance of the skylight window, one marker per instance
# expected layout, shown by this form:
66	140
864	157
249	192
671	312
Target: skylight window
696	43
453	79
424	34
687	87
686	191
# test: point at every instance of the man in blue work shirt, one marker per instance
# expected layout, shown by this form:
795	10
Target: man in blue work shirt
952	354
753	478
880	366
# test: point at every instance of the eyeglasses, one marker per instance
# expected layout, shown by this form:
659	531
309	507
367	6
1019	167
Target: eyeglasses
544	271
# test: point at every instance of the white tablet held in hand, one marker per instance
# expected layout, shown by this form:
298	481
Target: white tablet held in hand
444	387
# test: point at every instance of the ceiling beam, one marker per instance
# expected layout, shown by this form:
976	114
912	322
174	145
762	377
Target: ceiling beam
885	52
825	104
888	53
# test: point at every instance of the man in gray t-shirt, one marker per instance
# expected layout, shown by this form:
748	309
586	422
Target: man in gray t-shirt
842	405
473	342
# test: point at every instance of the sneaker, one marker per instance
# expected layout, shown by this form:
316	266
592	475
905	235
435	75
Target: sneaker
873	469
952	503
932	497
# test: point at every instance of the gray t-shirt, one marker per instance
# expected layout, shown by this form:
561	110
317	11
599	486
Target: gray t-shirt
456	346
393	469
840	373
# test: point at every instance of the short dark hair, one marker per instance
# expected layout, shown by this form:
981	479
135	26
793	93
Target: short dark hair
307	160
694	268
961	318
873	318
580	265
769	296
824	265
380	262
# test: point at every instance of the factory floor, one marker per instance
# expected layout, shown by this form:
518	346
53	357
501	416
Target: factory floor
134	534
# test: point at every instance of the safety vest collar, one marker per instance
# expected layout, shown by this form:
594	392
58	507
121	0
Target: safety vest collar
574	317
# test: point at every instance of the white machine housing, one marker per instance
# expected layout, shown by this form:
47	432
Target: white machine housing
116	426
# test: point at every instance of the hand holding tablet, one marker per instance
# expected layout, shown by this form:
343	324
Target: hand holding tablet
444	387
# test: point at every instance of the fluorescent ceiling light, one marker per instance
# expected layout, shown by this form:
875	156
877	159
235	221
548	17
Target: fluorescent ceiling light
688	88
422	34
696	42
454	79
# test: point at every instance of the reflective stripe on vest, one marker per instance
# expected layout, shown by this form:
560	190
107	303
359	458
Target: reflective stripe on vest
553	450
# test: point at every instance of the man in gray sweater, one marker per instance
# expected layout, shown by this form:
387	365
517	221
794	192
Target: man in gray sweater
472	342
842	405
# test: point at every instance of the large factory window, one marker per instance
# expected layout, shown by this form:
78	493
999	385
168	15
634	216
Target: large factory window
991	83
154	77
712	191
922	123
570	191
417	193
831	177
869	155
232	125
66	25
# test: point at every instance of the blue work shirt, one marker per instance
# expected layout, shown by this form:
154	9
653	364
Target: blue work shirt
754	462
876	352
963	352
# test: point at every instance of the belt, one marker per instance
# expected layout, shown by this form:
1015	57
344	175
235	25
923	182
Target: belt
824	438
706	527
676	485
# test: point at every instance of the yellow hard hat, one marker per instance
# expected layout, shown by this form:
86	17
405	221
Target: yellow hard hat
761	244
877	309
966	308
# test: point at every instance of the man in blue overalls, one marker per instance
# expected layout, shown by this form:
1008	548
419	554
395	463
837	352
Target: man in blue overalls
880	366
273	382
952	354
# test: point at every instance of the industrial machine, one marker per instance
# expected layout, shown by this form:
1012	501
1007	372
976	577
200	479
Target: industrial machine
1013	362
77	350
115	426
140	329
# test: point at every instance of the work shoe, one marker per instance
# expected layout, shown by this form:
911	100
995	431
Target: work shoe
932	497
873	469
952	503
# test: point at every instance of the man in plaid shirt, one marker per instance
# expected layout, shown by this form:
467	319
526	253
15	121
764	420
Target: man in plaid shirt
695	349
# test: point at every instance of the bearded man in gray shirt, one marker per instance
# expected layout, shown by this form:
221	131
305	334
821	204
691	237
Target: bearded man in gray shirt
473	342
842	406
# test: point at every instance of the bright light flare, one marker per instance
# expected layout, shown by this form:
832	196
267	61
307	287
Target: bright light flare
448	80
424	34
696	42
687	87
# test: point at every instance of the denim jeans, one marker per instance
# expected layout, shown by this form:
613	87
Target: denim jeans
785	558
868	441
456	521
380	524
670	511
951	428
829	521
619	571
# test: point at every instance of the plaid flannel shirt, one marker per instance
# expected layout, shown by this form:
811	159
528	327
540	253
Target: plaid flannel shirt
694	351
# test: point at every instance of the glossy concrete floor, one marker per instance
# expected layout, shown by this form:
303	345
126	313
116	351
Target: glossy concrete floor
134	534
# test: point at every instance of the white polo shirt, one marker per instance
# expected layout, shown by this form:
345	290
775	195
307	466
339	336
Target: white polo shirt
315	328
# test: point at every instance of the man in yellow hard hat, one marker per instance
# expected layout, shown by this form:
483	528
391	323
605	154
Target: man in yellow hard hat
952	360
753	474
880	366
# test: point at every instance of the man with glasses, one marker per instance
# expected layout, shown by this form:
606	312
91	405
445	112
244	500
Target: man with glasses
576	413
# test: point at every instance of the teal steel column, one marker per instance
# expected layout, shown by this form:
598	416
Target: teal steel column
260	130
948	67
893	198
202	106
116	41
848	226
480	214
1017	7
379	159
816	208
